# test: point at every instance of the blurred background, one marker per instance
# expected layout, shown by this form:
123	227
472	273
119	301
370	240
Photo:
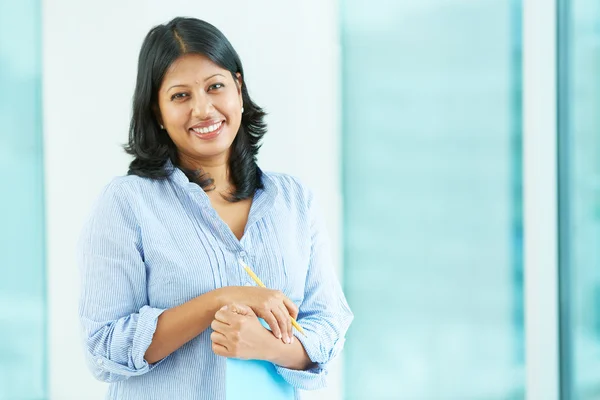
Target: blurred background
407	117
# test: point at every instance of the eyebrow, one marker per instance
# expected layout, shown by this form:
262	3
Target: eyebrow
212	76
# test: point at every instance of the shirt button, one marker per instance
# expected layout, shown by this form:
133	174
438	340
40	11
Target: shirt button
99	361
242	254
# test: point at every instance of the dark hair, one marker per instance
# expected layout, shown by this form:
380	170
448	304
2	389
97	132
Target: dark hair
150	145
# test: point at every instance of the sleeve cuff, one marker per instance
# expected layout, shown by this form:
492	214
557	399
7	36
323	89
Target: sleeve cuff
315	378
108	370
148	319
316	350
312	379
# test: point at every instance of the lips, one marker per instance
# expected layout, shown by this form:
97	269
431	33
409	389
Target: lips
203	129
207	131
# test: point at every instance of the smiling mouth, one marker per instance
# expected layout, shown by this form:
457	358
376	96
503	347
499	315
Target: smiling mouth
207	129
208	132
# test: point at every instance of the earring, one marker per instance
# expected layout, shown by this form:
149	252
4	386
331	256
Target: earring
242	110
162	127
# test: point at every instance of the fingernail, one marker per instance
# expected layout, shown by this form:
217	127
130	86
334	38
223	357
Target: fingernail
279	337
224	308
288	341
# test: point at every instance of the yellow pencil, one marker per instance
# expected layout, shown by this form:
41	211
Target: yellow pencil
259	283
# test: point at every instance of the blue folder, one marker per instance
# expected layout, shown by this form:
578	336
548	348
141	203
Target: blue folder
255	380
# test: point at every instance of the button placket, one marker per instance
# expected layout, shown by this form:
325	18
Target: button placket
244	277
223	236
200	213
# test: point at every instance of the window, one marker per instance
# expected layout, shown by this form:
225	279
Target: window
432	192
579	196
22	275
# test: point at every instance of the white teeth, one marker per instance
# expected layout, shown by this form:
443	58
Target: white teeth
208	129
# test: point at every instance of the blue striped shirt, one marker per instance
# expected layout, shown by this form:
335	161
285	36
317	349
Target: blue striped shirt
150	245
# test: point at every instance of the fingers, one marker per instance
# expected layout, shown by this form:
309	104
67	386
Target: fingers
218	344
218	338
270	305
291	307
224	315
293	311
219	350
242	310
273	324
288	321
283	320
220	327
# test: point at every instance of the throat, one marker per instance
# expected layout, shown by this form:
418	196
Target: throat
234	215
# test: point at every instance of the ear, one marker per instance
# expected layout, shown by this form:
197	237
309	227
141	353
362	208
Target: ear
239	82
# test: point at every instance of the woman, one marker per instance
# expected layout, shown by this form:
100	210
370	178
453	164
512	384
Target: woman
164	300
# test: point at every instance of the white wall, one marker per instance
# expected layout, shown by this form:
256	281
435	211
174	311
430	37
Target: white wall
540	203
290	53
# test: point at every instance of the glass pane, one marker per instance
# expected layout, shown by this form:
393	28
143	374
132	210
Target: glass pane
580	194
22	280
432	192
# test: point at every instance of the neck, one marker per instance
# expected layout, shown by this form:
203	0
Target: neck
216	168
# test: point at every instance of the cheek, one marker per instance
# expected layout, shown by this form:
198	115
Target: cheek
231	106
174	115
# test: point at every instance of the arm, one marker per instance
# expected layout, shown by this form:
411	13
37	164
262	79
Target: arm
179	325
291	356
116	320
239	334
124	336
324	314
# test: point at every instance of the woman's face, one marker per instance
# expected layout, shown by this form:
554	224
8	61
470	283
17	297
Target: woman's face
199	105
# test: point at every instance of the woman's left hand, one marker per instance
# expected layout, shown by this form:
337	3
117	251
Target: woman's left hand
239	334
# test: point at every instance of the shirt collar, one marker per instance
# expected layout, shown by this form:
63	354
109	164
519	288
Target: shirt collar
263	198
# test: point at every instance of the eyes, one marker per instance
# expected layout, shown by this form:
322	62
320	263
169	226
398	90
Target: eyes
216	86
180	96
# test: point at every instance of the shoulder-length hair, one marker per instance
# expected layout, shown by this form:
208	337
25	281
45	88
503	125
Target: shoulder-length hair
150	145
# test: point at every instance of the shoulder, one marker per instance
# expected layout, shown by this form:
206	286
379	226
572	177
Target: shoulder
126	192
293	194
289	185
130	186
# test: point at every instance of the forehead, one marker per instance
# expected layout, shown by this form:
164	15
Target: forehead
192	68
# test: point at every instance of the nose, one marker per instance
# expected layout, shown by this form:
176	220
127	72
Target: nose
202	107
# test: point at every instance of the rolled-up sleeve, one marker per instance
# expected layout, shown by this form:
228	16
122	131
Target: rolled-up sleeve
324	313
117	323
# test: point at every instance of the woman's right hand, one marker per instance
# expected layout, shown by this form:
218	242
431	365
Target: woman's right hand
271	305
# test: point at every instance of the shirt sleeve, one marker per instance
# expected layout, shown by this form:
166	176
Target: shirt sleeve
116	321
324	313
